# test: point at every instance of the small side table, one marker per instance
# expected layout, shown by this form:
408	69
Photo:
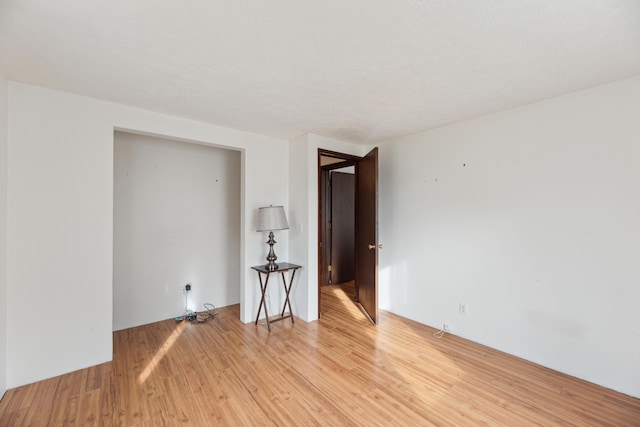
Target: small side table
282	268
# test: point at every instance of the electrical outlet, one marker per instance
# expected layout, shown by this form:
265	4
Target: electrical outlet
462	308
447	327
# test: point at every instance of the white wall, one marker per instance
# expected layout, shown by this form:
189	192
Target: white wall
176	221
303	196
4	93
60	218
532	218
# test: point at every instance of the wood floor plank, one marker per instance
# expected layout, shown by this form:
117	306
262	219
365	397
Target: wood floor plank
340	370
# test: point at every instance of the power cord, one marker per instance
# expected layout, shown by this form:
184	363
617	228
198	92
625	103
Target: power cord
208	314
439	334
186	304
188	314
204	316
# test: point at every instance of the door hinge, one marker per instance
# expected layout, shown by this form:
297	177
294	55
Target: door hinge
329	268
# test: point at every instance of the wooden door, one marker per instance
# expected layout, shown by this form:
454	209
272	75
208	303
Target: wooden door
342	227
324	238
367	233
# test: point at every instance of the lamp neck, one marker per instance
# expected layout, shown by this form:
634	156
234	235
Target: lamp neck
271	257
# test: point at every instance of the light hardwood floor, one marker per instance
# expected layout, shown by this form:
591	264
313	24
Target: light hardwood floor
337	371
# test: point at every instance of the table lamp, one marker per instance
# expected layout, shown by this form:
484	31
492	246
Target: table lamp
272	218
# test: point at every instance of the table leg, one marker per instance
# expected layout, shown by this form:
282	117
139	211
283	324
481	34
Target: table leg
263	289
287	290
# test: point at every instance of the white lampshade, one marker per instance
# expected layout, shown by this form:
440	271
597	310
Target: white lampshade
272	218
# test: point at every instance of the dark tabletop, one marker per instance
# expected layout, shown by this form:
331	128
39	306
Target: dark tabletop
282	266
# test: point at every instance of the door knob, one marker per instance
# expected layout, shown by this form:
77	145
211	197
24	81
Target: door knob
374	246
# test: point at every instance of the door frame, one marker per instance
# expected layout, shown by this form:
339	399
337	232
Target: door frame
342	160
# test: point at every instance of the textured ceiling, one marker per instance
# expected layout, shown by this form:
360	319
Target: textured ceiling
357	70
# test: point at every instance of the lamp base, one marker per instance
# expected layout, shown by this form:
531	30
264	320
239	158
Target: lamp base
271	257
271	267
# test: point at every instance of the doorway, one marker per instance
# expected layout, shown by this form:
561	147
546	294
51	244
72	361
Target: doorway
338	222
347	226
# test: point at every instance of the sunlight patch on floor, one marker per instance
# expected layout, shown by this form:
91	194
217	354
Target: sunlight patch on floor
162	351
